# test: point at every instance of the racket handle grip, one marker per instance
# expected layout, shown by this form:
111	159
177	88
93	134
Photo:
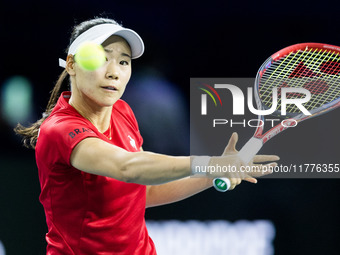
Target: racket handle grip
246	154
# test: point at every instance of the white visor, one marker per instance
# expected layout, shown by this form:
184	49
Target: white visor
98	34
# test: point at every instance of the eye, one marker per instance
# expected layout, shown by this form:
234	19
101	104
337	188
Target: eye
124	62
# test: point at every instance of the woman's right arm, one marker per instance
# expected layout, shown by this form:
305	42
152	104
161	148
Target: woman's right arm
92	155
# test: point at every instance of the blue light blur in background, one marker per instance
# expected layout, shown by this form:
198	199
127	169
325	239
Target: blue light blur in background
17	100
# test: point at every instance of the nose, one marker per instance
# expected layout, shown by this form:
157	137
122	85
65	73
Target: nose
112	71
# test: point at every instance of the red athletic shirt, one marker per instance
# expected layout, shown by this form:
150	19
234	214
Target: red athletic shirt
87	213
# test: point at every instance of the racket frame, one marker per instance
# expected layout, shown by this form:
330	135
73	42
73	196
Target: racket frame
252	147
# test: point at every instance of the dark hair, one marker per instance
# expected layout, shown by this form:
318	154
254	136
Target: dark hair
30	133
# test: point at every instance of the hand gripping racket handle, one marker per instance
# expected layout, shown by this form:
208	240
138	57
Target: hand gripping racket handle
246	154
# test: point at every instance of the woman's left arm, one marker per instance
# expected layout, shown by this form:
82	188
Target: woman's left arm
183	188
176	190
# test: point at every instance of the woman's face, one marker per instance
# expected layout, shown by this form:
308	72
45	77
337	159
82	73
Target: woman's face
104	86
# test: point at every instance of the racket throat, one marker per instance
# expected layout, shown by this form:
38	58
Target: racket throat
250	149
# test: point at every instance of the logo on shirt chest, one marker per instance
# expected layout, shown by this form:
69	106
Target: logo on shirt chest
132	142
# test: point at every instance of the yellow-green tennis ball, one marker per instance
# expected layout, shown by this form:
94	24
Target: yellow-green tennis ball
90	56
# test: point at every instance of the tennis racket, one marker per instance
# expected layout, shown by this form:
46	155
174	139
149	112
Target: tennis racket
312	66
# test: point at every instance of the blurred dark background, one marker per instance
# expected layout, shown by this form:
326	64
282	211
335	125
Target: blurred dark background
183	40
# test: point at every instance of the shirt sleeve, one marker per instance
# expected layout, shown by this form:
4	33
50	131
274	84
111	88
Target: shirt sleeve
58	139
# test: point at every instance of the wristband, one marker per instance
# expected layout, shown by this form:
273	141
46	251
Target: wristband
199	165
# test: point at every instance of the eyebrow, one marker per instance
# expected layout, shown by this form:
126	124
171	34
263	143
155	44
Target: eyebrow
126	55
123	54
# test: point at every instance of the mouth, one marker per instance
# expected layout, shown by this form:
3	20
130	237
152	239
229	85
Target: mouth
110	88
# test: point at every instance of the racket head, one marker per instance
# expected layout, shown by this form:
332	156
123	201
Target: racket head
313	66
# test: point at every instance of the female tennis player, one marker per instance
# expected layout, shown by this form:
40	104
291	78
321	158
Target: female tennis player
96	180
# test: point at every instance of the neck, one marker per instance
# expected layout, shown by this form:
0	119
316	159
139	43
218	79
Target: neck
99	116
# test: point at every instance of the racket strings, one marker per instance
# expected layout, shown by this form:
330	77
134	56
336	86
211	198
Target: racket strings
278	74
313	69
278	77
319	85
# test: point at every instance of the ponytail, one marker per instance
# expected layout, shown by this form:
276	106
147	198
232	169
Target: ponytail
30	134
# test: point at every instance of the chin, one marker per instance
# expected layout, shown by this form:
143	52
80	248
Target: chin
109	103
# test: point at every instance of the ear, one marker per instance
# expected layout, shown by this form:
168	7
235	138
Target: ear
70	65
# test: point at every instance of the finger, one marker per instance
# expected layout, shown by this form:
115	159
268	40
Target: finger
234	182
251	180
264	158
232	187
231	146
